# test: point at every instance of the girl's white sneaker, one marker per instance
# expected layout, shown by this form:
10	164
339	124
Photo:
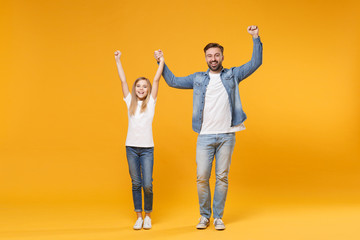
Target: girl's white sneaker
138	224
147	223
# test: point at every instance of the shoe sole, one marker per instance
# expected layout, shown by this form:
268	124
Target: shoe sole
205	227
220	228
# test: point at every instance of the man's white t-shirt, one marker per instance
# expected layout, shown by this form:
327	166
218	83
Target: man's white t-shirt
140	125
217	115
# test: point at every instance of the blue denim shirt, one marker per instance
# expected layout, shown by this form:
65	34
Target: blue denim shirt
229	77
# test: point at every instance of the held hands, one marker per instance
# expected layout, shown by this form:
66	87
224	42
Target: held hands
159	56
117	55
254	31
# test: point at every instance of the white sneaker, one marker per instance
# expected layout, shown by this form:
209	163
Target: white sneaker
138	224
219	224
203	223
147	223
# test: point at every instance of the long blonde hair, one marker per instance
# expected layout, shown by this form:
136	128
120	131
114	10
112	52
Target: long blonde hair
134	98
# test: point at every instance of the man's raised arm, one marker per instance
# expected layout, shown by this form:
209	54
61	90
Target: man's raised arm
173	81
247	69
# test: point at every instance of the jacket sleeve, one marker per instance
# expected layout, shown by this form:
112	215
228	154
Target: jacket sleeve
248	68
178	82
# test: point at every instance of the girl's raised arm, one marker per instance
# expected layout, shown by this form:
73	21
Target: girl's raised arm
124	85
155	87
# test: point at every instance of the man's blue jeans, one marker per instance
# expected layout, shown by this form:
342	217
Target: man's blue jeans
221	147
141	161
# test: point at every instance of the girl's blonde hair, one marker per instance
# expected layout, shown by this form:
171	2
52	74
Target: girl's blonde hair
134	98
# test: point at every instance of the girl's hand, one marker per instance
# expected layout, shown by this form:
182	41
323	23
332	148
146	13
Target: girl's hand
159	55
117	55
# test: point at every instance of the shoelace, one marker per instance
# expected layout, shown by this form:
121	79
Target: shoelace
138	221
203	220
218	221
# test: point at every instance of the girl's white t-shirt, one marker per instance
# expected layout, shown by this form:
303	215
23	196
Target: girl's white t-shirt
140	125
217	115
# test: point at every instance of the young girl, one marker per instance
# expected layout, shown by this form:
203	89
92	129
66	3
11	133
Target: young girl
139	141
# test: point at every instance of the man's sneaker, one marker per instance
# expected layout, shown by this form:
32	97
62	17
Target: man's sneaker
147	223
203	223
138	224
219	224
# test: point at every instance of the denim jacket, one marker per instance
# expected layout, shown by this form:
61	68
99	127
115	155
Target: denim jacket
229	77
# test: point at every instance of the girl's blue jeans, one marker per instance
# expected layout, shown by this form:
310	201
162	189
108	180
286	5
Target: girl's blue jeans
141	161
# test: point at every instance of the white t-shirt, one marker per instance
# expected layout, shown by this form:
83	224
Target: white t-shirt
217	115
140	124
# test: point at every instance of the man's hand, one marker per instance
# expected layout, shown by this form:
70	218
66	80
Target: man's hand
254	31
117	55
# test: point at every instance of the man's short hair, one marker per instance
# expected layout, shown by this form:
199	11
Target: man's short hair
214	45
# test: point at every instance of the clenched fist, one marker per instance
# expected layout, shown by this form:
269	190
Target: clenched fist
254	31
117	55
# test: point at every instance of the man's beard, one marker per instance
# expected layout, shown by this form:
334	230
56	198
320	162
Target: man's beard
215	68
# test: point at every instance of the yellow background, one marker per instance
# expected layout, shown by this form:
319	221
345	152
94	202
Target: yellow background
63	122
